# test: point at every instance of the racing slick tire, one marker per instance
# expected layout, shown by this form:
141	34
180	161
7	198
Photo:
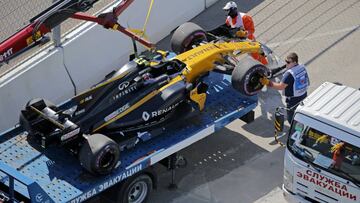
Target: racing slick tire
26	117
99	154
246	76
187	35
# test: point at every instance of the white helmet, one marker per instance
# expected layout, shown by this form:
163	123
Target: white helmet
230	5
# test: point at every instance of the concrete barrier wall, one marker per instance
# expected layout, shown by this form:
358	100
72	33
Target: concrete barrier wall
88	53
208	3
93	53
44	75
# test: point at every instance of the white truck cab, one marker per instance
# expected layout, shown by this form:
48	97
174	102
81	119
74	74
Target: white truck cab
322	156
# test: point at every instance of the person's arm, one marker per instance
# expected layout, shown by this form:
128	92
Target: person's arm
248	24
227	21
277	70
278	85
286	80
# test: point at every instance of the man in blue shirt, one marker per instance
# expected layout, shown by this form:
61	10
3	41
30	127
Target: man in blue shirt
295	82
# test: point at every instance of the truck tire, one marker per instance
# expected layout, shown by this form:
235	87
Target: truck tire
185	36
135	190
246	75
26	117
99	154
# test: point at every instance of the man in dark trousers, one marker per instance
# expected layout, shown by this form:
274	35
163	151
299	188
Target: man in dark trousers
295	82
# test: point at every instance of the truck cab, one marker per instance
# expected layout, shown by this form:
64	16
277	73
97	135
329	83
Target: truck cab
322	156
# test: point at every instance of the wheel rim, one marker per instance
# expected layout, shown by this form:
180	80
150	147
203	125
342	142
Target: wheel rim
254	85
107	159
138	192
194	39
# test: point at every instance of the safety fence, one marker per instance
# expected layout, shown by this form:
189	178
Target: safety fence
16	14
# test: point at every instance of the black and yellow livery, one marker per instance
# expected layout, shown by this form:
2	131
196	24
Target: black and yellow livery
136	102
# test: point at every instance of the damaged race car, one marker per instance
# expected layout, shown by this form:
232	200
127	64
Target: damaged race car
190	35
135	103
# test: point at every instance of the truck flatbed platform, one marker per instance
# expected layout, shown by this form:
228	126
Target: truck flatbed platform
54	175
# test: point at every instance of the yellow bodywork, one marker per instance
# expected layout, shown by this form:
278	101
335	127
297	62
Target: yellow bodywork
198	98
200	60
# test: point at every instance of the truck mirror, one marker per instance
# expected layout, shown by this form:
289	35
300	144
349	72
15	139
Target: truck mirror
279	120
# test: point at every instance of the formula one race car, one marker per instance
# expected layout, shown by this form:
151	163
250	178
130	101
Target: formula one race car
189	35
135	102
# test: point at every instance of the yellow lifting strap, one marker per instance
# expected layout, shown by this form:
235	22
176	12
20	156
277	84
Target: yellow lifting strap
148	15
142	33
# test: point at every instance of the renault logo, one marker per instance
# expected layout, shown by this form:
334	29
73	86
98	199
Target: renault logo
145	116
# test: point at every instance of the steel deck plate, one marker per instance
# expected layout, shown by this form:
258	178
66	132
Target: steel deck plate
60	175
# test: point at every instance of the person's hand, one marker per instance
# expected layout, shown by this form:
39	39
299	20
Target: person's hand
264	81
242	33
246	33
337	147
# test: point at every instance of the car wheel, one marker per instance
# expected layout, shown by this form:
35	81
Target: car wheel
135	190
99	154
246	76
187	35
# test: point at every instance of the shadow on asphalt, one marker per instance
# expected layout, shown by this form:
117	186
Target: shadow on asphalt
209	159
263	125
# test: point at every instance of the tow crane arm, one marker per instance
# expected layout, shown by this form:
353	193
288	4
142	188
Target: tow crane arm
34	33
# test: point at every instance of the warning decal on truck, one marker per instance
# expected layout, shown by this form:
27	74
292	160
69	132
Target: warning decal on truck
107	184
326	184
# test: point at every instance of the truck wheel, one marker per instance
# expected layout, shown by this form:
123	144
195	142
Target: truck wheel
27	116
99	154
185	36
136	189
246	76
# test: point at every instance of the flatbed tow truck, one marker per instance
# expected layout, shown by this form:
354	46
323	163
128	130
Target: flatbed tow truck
32	174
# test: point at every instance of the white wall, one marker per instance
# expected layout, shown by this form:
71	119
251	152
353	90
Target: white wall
208	3
96	51
89	53
44	75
